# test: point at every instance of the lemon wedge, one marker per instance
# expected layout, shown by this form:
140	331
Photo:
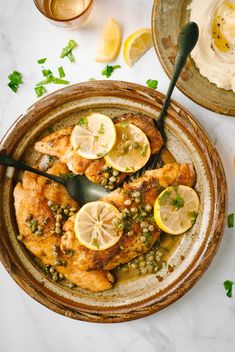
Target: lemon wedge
93	136
98	225
110	42
136	45
176	209
131	150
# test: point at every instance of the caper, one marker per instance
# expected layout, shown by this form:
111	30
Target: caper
49	203
115	173
134	210
71	213
104	182
142	264
52	270
112	179
136	194
106	175
130	233
57	224
143	270
57	262
55	277
66	211
151	258
145	230
70	284
126	210
59	217
149	269
137	200
59	210
73	209
61	276
111	187
148	208
105	167
38	233
63	206
110	183
133	265
160	253
143	213
142	239
143	224
151	228
57	230
127	202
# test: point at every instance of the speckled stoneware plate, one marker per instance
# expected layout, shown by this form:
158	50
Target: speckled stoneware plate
168	17
187	141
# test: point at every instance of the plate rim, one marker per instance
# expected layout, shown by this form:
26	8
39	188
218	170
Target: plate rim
107	315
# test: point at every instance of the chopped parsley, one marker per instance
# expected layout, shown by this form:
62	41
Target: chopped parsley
96	243
178	201
61	72
67	51
40	90
101	130
83	122
42	61
144	150
193	216
101	154
228	285
108	70
51	79
96	138
124	124
152	83
67	176
231	220
91	79
164	198
15	79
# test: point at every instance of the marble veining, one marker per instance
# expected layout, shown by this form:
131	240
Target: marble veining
204	319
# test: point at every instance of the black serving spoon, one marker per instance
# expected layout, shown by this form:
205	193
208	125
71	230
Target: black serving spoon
187	40
78	186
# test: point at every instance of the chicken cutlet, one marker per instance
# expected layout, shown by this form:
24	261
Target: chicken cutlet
41	207
58	144
135	201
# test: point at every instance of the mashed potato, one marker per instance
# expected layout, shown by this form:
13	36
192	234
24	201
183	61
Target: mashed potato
214	54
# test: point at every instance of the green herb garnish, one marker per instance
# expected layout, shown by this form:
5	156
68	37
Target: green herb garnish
124	124
91	79
144	150
42	61
108	70
96	138
40	90
67	176
61	72
228	285
96	243
164	198
231	220
15	79
152	83
101	130
193	216
178	201
51	79
83	122
67	51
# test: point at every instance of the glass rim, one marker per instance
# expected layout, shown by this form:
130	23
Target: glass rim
63	20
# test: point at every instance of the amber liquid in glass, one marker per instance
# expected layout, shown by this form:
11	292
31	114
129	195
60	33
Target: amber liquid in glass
65	9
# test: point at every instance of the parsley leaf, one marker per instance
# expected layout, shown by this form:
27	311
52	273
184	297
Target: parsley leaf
101	130
230	220
178	202
42	61
40	90
152	83
15	79
83	122
61	72
108	70
67	51
51	79
228	285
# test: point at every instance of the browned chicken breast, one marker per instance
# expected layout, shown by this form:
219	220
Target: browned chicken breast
135	201
42	206
58	144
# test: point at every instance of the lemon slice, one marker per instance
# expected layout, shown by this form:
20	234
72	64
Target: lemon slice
110	41
93	136
176	209
136	45
131	150
98	225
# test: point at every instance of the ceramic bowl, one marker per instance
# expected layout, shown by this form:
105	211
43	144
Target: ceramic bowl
168	17
186	140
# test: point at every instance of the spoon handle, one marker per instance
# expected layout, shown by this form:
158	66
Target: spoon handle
8	161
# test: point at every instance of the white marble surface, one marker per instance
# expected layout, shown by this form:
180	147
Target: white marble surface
204	319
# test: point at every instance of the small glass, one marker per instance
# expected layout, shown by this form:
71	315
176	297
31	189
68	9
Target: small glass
70	14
